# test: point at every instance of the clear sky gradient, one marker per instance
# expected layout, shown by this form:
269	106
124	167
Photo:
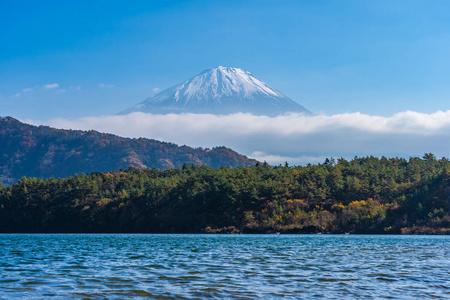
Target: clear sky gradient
73	59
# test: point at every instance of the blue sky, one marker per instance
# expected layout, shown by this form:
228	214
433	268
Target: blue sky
71	59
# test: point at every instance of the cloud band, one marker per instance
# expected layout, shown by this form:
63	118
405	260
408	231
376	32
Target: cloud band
295	138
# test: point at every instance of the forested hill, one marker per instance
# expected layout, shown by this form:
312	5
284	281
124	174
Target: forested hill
365	195
43	152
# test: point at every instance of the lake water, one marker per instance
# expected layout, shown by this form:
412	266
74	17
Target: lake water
118	266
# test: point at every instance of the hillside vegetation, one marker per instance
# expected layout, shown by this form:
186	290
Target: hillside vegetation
365	195
44	152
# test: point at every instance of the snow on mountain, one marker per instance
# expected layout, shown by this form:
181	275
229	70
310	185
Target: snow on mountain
220	91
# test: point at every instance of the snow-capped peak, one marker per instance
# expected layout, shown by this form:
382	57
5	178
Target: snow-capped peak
220	90
223	82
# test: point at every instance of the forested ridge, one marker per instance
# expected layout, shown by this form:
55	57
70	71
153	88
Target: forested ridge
364	195
27	150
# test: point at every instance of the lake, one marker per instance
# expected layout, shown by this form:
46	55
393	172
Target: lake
184	266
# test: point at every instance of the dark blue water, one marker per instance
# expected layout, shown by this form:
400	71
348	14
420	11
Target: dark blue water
118	266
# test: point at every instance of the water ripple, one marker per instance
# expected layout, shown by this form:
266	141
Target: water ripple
117	266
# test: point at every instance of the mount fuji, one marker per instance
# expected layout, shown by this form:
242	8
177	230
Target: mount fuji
220	90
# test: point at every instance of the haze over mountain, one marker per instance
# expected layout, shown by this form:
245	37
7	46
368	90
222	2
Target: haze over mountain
220	90
43	152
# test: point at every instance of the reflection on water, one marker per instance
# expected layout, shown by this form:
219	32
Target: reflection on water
118	266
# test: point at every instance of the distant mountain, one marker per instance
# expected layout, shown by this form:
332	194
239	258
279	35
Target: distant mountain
31	151
220	91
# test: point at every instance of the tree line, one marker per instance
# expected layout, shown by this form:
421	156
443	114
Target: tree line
363	195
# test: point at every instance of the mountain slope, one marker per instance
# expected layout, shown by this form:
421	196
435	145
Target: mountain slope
220	91
43	151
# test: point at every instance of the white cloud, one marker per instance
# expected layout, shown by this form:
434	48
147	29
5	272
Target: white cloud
26	90
102	85
156	90
295	138
51	86
280	160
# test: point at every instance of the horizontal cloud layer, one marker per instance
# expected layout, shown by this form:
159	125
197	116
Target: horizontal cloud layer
295	138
